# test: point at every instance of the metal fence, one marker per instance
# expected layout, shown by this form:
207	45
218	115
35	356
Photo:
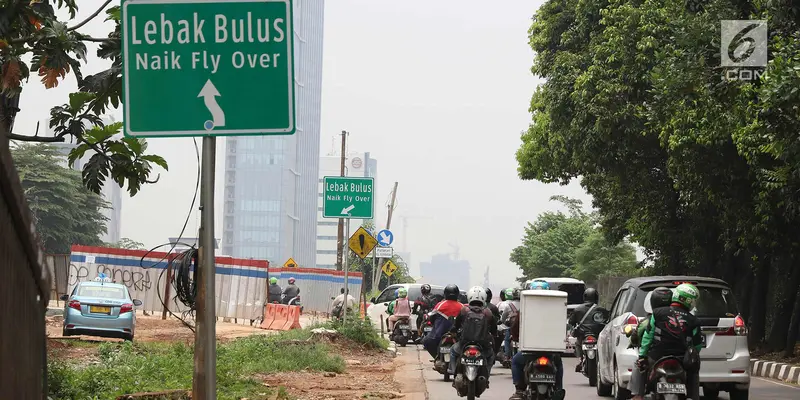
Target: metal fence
24	291
241	285
607	287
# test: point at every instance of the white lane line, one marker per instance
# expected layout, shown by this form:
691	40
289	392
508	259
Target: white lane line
776	383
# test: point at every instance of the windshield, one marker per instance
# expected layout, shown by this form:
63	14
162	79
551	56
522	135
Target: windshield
714	302
102	292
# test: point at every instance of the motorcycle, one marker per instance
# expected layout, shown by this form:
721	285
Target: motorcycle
667	379
471	378
401	333
442	361
426	327
540	379
589	359
295	301
589	328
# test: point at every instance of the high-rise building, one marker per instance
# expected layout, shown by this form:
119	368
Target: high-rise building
111	191
356	164
270	184
444	269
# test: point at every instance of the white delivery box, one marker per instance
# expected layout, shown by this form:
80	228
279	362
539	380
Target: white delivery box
543	316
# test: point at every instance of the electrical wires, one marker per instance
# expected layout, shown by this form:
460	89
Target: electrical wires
186	268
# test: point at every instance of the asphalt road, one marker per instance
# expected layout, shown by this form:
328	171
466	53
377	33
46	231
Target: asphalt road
576	385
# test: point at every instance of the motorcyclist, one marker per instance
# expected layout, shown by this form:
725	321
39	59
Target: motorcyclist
659	297
521	359
678	333
510	314
274	290
590	300
423	305
477	325
399	308
490	306
441	317
290	291
339	305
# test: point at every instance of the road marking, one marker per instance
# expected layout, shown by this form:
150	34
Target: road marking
775	383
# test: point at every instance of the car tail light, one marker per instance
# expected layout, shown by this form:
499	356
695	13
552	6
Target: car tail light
472	352
75	304
632	320
590	340
126	308
738	328
543	361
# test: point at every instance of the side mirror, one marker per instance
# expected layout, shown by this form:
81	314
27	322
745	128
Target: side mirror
64	297
372	300
137	302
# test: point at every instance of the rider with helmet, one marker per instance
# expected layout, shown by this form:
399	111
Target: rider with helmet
274	291
590	300
399	308
490	306
441	317
678	335
521	359
290	291
509	316
423	305
477	325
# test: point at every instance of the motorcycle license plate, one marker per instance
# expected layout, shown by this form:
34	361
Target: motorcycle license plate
588	347
405	327
671	388
427	329
446	356
471	361
542	378
444	350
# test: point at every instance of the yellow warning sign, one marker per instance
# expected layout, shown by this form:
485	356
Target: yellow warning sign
290	263
389	267
362	242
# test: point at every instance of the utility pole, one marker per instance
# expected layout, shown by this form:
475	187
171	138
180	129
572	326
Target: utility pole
376	277
340	234
204	382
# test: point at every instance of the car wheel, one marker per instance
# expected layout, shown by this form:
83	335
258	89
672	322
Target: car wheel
602	389
739	394
710	394
620	393
128	338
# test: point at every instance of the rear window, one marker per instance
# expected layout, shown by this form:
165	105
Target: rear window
102	292
714	302
574	291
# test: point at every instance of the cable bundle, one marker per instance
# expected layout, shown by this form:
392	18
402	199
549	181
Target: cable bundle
185	282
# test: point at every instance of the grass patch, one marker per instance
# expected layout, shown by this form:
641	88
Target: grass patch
359	330
126	368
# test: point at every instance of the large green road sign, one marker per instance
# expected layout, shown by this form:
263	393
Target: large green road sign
198	68
347	197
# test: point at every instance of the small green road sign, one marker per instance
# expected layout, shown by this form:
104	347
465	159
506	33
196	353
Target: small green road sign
347	197
208	67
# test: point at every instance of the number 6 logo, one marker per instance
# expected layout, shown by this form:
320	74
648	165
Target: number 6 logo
744	43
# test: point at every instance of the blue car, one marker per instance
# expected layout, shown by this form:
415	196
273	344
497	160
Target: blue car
100	308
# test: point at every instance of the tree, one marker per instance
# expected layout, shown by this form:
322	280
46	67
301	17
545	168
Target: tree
365	266
64	211
128	244
702	172
597	258
57	50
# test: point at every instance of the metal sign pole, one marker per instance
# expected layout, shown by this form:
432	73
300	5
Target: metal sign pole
204	385
346	267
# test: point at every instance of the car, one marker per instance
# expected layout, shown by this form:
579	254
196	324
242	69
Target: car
100	308
378	310
725	358
574	289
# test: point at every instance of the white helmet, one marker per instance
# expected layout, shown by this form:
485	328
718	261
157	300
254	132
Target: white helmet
476	294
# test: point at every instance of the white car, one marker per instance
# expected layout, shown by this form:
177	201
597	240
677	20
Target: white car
378	309
725	358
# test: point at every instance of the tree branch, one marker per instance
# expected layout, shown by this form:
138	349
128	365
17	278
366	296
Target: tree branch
39	139
91	17
94	39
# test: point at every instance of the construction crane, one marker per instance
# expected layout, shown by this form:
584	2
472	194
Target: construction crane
405	219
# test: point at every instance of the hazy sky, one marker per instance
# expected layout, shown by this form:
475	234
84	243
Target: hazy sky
437	91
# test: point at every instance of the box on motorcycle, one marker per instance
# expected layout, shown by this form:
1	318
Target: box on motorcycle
543	315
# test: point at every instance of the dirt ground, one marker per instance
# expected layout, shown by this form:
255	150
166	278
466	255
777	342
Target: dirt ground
369	375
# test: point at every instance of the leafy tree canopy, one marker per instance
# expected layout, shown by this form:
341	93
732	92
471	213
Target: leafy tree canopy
128	244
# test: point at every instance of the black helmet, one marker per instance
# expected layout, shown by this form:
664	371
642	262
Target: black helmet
451	292
503	295
661	297
590	296
425	289
488	294
516	294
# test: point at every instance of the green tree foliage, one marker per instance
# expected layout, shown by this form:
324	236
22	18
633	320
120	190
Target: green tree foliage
559	244
58	49
64	211
127	244
365	266
703	172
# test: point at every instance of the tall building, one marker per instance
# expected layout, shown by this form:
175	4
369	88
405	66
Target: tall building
444	269
356	164
270	182
111	191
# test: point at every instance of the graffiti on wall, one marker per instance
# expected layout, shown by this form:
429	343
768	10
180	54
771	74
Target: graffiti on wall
134	280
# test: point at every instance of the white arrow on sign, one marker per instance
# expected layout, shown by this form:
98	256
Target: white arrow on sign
347	209
385	238
209	94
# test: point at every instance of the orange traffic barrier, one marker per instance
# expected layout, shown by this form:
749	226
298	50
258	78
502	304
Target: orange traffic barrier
293	322
361	309
281	316
269	316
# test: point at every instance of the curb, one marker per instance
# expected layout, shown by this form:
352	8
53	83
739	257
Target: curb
775	370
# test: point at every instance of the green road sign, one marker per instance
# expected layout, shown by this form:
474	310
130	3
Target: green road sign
347	197
208	67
